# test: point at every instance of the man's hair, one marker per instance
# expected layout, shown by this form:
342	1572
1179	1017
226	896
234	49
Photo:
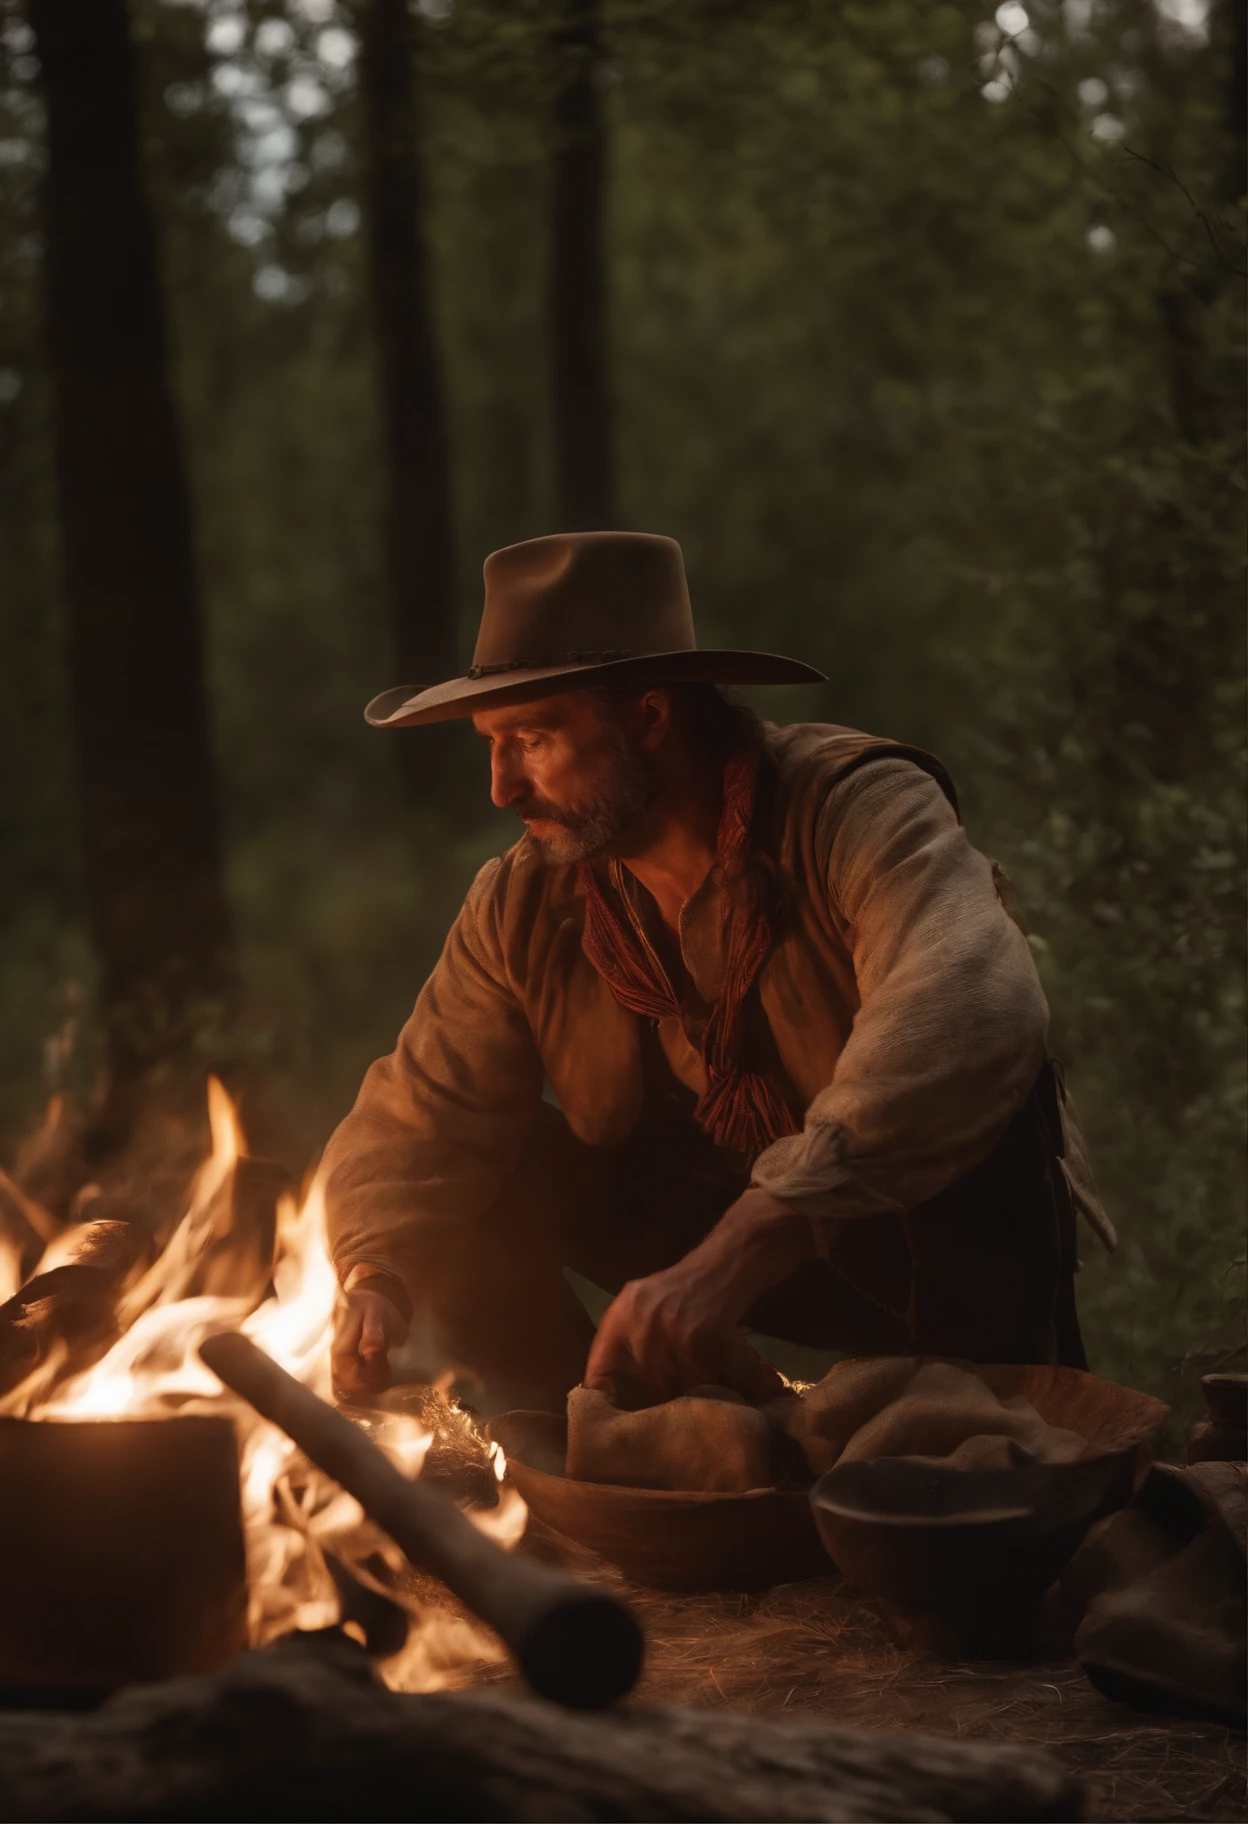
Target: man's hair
712	721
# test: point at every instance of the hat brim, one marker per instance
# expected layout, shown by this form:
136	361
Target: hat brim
405	707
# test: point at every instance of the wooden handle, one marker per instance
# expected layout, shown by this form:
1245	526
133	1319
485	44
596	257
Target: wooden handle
574	1643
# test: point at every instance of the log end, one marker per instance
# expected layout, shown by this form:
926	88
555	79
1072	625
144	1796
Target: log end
583	1651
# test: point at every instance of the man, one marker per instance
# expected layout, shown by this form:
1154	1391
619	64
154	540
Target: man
740	1029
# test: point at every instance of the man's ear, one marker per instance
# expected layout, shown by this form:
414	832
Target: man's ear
654	719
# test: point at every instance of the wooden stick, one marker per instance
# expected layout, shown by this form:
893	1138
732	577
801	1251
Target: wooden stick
575	1644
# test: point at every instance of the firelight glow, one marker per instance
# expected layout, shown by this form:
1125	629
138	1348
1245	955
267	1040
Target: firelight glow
292	1514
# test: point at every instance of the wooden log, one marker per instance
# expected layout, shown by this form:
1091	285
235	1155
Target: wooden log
302	1731
73	1302
575	1644
121	1553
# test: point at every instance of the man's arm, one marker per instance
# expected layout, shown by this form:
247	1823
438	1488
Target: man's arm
678	1328
435	1130
946	1045
950	1034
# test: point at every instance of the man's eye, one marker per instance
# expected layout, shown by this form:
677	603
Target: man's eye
530	746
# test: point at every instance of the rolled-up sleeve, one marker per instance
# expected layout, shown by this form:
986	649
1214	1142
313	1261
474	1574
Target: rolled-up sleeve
439	1124
950	1032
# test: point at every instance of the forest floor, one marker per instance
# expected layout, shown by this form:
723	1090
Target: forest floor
818	1649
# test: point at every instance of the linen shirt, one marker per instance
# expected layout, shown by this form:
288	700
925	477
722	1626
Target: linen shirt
900	1011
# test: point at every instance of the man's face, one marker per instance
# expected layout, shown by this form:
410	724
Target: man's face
571	768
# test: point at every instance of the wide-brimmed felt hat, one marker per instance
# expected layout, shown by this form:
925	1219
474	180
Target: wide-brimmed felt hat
582	608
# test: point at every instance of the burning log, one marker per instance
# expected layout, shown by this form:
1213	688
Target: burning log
575	1644
73	1301
121	1554
302	1731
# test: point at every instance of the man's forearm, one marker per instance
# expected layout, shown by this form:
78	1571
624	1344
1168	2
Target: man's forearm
756	1244
679	1326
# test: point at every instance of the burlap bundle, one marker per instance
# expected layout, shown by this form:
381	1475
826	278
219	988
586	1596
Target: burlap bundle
1161	1588
712	1439
946	1410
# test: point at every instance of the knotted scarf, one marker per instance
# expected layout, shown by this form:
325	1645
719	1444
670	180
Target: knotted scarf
739	1109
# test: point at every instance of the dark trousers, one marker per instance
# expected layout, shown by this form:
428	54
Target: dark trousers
984	1271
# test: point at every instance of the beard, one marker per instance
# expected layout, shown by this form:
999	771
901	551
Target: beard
621	791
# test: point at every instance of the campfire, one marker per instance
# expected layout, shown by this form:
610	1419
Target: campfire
162	1518
115	1429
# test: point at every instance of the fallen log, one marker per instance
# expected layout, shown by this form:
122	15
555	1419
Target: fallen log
574	1643
302	1731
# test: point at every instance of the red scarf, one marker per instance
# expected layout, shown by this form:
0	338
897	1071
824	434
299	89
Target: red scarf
739	1109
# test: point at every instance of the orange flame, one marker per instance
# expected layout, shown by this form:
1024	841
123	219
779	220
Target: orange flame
292	1514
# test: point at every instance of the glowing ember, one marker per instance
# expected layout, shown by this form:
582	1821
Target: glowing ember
292	1514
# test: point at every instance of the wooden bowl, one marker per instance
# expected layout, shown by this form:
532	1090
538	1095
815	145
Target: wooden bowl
960	1558
665	1540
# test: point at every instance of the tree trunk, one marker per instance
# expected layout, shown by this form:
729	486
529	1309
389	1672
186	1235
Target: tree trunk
577	315
1231	19
419	529
508	204
151	830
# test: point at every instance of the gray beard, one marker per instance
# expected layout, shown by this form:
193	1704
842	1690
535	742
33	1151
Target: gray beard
589	828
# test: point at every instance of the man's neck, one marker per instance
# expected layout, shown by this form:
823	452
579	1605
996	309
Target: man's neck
670	848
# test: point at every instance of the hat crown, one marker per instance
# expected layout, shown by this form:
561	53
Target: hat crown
584	593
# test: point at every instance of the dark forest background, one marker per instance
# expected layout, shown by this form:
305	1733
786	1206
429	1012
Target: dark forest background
920	326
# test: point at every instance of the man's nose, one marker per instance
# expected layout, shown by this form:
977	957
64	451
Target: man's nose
507	784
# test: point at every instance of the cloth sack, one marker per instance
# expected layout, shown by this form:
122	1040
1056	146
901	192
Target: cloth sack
710	1439
713	1439
896	1406
1161	1588
823	1418
946	1409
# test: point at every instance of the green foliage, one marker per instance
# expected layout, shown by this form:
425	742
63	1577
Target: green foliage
934	371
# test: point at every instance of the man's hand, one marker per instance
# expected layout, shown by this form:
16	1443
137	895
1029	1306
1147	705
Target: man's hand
679	1328
367	1326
